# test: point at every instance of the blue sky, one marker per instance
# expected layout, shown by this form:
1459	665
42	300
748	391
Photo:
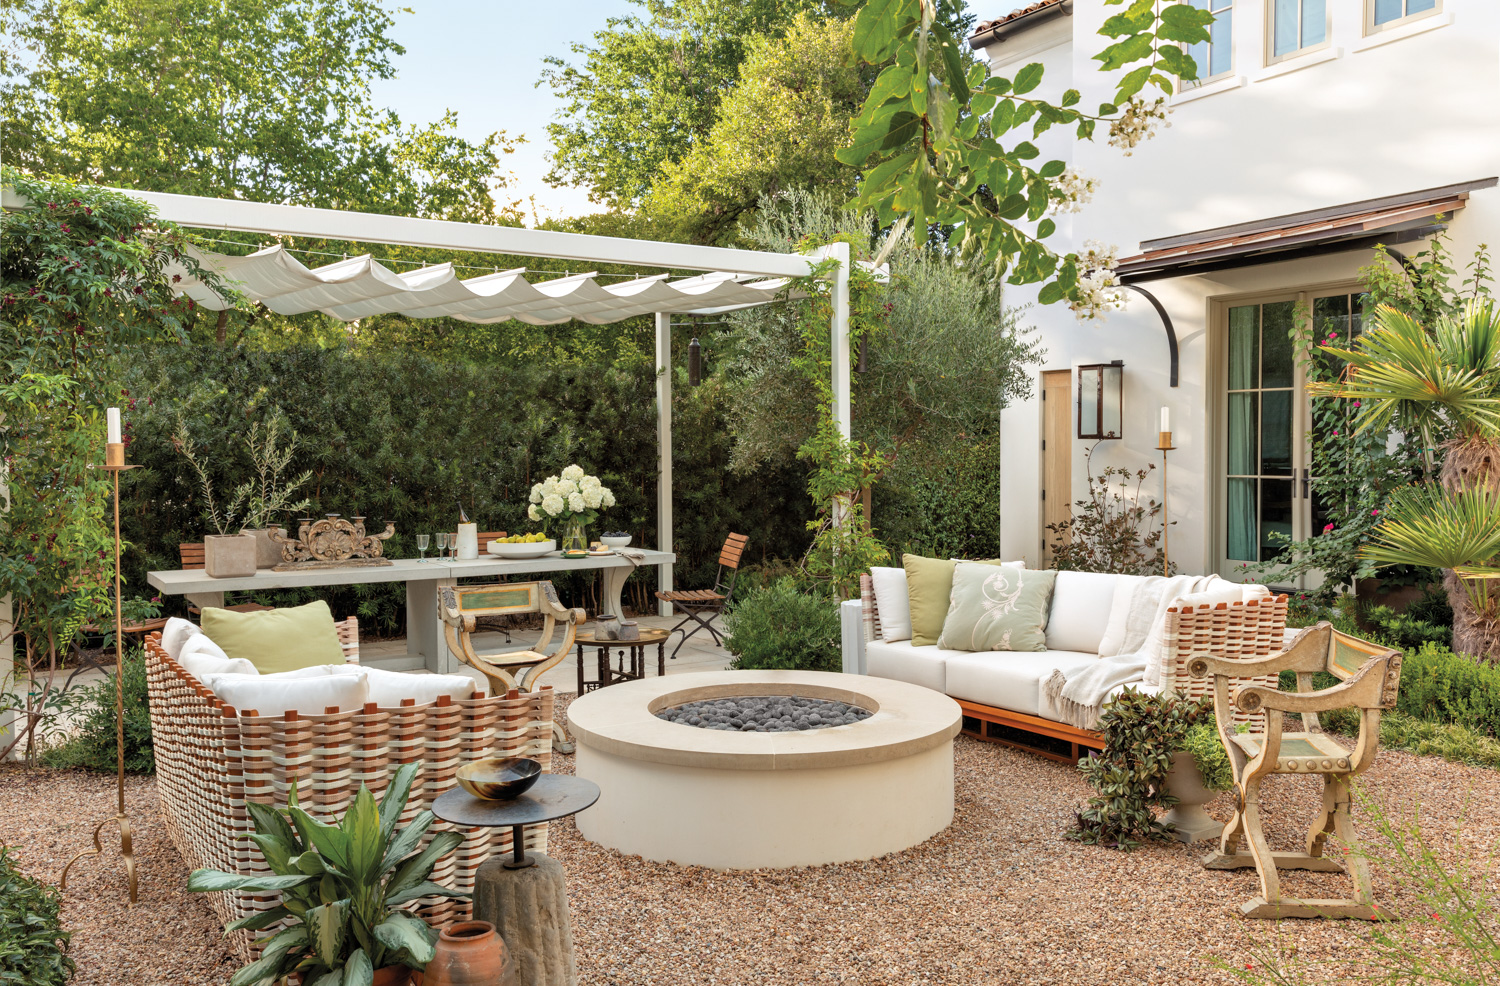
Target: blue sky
482	60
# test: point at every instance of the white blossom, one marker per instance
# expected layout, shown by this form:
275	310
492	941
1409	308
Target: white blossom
536	493
533	513
1072	191
607	498
1138	122
553	504
590	482
549	486
593	496
576	504
573	473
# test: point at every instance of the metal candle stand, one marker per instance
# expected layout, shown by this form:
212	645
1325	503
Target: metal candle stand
114	462
1164	445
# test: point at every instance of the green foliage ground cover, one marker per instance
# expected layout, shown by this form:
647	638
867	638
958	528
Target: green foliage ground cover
33	944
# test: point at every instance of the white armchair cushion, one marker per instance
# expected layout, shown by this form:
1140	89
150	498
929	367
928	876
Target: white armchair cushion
272	694
175	633
892	602
388	688
1081	604
200	656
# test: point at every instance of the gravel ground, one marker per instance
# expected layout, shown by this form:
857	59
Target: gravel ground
1000	897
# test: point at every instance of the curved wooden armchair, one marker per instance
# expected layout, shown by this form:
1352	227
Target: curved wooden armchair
1369	676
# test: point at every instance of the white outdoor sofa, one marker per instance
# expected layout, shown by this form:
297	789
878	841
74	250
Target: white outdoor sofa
1001	692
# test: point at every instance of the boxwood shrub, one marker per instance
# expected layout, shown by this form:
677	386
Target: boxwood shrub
781	627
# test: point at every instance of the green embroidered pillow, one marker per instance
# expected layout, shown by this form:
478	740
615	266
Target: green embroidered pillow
929	586
998	608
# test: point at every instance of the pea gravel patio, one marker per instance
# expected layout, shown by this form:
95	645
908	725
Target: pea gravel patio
1000	897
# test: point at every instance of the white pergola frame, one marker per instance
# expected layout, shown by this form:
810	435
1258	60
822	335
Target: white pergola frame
442	235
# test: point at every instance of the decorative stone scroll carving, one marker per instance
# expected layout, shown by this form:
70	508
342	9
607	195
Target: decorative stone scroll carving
332	543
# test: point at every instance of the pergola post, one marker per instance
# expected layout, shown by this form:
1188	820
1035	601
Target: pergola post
664	452
841	351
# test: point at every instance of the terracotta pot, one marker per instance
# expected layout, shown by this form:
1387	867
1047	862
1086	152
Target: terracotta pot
470	953
231	557
1185	783
267	552
392	975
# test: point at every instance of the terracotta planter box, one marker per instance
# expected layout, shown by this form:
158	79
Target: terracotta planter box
231	557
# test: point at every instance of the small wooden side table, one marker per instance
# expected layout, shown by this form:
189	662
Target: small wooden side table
629	657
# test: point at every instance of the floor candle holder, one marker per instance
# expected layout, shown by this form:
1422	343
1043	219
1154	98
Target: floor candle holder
1164	445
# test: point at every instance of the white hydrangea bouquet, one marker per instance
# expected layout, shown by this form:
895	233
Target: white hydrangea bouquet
572	499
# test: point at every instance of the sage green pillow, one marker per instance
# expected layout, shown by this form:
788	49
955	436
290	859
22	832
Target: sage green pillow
277	639
929	586
998	608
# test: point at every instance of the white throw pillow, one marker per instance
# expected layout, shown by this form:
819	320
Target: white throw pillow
1112	643
200	656
1081	605
175	633
273	696
388	688
893	603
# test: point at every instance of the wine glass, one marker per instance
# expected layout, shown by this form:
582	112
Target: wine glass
442	543
422	541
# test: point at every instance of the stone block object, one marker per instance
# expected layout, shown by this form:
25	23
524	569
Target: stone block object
529	908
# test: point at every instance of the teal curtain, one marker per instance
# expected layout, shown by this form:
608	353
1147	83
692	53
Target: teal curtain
1244	344
1240	526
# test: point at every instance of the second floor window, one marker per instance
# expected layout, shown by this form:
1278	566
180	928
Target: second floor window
1215	57
1383	12
1297	25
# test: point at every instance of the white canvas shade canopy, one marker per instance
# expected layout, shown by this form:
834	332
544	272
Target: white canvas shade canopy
362	287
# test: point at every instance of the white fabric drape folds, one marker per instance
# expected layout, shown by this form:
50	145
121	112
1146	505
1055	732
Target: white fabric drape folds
361	286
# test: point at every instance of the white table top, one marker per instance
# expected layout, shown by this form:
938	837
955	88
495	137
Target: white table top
400	570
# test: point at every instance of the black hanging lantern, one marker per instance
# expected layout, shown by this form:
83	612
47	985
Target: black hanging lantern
1101	387
695	362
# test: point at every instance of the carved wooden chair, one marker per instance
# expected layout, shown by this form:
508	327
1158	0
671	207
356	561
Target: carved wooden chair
1369	676
462	606
695	603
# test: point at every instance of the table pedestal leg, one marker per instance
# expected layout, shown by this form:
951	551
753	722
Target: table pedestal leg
424	631
529	908
205	600
614	584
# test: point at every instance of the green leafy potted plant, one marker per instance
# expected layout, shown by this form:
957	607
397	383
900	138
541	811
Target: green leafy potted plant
1160	751
253	506
341	886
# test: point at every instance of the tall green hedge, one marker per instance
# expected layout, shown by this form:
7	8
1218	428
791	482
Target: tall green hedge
397	435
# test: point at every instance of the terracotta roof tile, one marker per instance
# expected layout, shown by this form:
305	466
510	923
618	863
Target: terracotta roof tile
1015	15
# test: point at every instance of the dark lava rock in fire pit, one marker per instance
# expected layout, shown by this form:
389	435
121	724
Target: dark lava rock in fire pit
765	714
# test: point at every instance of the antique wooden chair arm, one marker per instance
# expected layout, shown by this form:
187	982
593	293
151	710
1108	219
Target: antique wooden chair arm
1308	652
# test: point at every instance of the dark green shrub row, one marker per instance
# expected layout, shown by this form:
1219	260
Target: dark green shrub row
782	627
397	435
33	944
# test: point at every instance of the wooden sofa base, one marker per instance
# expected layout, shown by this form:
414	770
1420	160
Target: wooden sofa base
1043	737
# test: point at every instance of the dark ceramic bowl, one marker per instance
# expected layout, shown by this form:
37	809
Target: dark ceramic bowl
499	778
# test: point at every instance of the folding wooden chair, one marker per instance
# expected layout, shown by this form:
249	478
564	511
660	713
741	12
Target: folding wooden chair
1369	676
462	606
694	603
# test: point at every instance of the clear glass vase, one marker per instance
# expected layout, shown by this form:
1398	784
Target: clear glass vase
574	538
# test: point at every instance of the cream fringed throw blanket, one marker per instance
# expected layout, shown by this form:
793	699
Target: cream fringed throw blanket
1080	699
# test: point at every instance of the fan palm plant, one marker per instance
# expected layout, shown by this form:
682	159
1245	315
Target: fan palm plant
341	888
1443	384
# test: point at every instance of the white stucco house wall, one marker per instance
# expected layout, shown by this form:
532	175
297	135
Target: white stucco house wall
1324	126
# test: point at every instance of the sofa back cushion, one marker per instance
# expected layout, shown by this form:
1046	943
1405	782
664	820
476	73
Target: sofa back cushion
277	639
929	588
200	656
272	695
893	602
998	607
175	633
1081	604
388	688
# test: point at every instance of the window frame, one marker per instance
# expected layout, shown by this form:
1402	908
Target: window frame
1371	28
1195	84
1274	59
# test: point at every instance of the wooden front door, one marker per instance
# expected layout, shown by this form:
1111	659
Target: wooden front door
1057	453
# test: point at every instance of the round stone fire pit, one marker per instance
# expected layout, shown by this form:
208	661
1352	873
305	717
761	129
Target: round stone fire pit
749	799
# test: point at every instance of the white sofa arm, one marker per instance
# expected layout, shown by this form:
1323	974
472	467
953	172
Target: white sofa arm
851	623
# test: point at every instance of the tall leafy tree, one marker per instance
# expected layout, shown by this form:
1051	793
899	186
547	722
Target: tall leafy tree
260	99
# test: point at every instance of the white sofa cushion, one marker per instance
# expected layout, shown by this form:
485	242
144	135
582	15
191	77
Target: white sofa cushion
388	688
200	656
1009	680
892	603
273	695
175	633
903	662
1081	604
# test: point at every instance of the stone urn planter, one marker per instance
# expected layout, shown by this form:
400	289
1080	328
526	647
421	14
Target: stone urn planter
267	552
470	953
1185	783
229	557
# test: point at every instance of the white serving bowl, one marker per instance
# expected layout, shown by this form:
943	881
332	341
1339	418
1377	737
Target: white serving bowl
526	549
616	542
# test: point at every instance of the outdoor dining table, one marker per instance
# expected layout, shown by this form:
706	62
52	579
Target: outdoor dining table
425	647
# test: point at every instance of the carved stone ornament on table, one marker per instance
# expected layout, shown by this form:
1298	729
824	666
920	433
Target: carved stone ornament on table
332	543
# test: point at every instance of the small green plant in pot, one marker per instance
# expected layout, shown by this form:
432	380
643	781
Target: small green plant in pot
1147	740
342	886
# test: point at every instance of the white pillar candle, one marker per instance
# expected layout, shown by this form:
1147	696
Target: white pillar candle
112	425
1166	419
468	541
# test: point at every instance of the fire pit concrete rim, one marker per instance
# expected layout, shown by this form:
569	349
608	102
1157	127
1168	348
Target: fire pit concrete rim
621	720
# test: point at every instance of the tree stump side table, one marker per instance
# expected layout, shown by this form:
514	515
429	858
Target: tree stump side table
629	654
524	895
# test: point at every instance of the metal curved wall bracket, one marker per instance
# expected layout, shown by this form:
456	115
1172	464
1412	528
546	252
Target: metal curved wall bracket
1166	321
